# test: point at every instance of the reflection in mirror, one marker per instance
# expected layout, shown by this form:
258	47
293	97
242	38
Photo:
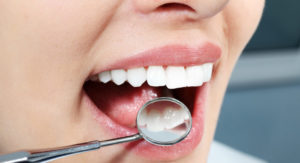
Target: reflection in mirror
164	121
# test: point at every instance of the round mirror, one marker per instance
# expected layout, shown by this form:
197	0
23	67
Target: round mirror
164	121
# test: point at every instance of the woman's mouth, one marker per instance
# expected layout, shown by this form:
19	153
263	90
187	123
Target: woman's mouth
117	92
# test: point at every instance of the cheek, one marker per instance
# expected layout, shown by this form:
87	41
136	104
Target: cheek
210	8
48	39
241	18
43	45
58	28
68	25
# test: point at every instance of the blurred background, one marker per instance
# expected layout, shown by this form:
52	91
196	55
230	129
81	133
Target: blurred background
261	109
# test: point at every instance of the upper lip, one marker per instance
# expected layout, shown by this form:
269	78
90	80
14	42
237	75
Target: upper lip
169	55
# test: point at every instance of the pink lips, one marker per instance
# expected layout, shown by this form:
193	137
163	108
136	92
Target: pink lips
166	55
176	55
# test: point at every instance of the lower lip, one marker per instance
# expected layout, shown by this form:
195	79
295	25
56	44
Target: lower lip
150	151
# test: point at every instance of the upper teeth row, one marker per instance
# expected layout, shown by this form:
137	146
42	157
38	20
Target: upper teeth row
170	76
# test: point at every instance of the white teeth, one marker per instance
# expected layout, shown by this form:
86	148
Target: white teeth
195	75
156	76
143	118
184	115
174	117
154	121
176	77
207	68
158	120
170	118
172	76
104	76
136	76
118	76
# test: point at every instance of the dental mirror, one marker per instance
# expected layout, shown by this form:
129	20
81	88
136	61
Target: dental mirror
162	121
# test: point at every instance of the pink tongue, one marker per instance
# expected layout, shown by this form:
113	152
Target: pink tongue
120	103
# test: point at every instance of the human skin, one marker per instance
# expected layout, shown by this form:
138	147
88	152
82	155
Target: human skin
49	48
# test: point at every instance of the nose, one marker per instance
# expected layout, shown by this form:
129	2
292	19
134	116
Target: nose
194	8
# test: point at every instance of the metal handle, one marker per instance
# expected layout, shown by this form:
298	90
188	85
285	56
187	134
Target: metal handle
14	157
53	154
56	153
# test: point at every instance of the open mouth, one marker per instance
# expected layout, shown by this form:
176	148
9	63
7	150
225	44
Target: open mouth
116	95
123	92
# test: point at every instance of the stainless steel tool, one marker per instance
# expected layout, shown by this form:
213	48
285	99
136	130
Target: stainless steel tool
172	123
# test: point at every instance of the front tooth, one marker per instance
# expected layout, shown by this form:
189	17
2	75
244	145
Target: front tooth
194	75
156	76
172	118
184	114
207	69
176	77
136	76
118	76
180	115
143	118
168	117
154	121
104	76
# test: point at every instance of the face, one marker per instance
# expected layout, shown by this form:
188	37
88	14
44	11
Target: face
52	52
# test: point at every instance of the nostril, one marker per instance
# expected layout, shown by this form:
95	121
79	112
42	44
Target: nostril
175	7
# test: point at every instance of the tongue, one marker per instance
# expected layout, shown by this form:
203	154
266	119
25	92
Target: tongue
120	103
